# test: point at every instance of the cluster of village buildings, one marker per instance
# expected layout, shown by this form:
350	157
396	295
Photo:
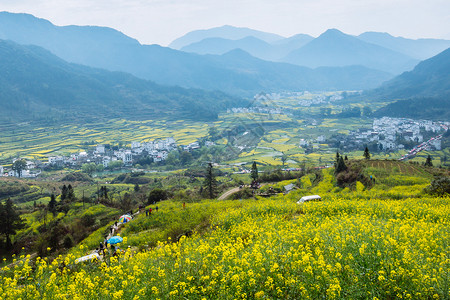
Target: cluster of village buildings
388	134
157	151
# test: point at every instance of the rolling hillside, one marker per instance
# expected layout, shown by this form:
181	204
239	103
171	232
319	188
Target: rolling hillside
424	92
35	83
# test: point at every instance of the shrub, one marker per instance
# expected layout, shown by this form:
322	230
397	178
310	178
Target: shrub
439	186
68	241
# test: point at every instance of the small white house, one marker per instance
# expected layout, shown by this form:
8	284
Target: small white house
309	198
100	149
127	157
135	145
106	160
303	143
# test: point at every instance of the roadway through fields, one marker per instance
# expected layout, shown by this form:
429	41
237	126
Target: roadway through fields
228	193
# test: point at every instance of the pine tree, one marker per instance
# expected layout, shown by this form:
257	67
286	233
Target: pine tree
428	162
340	166
63	193
210	181
10	221
336	161
70	192
52	204
366	153
254	172
284	158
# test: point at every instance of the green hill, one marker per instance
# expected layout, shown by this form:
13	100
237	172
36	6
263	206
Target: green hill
425	91
34	83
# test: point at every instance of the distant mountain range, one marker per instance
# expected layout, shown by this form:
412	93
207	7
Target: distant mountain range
225	32
333	48
35	84
419	49
254	46
235	72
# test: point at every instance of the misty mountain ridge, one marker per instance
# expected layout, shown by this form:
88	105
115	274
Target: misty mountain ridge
35	84
335	48
256	47
224	32
163	65
424	92
418	49
408	50
430	78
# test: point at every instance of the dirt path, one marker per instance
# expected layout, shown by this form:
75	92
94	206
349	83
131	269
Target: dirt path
229	193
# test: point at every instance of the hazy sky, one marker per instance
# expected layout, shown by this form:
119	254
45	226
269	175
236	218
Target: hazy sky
161	21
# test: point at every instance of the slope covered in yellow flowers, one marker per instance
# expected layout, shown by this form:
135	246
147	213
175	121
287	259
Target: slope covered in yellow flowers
352	245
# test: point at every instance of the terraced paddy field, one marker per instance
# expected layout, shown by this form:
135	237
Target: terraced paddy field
40	142
261	137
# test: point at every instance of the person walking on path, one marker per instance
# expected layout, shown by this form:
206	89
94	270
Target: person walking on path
102	250
146	213
150	211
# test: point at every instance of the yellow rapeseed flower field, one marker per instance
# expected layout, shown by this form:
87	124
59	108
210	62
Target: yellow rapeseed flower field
340	248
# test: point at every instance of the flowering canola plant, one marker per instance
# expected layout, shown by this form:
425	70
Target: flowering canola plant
268	249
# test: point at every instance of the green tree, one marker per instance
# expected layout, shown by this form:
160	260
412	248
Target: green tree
210	181
10	221
337	156
366	153
70	192
63	193
185	158
429	161
52	204
284	158
340	165
115	164
18	166
100	168
157	195
89	168
213	133
336	160
254	172
439	186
